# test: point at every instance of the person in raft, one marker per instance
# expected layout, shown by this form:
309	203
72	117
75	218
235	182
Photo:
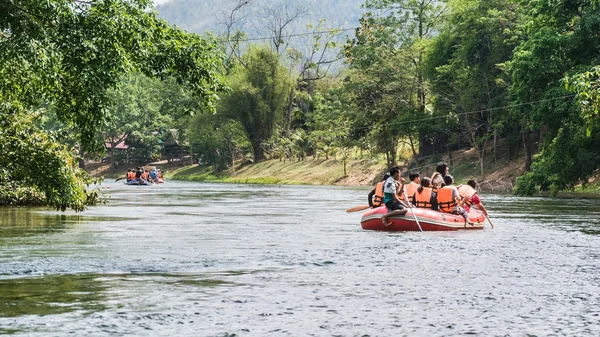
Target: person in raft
153	175
130	175
411	188
449	200
437	179
425	196
138	173
391	187
376	194
469	192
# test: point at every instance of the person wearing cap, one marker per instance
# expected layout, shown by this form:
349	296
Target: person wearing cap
376	194
153	175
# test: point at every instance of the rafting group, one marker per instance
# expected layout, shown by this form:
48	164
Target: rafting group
436	200
141	176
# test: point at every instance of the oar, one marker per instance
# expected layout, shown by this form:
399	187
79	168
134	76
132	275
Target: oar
357	208
488	218
120	179
411	209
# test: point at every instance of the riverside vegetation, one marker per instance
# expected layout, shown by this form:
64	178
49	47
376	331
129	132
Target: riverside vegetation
416	81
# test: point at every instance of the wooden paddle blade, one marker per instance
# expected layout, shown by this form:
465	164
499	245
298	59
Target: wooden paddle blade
119	179
357	208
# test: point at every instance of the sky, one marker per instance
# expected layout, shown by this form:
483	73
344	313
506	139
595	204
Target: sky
158	2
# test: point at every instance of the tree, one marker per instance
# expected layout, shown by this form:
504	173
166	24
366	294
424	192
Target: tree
412	22
258	96
67	55
218	141
558	41
463	65
379	86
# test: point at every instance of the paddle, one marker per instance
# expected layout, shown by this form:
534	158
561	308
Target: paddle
120	179
411	209
488	219
357	208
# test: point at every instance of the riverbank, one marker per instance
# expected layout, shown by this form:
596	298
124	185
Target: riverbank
499	175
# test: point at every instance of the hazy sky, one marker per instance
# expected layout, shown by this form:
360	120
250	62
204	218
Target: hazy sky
158	2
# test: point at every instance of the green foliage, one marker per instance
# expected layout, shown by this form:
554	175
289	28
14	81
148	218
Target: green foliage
258	96
218	141
569	159
33	161
66	56
587	87
70	55
559	42
135	116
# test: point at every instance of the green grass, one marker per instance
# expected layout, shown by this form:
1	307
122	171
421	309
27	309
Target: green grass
589	187
309	171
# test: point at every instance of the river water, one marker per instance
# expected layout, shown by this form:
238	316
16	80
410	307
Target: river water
194	259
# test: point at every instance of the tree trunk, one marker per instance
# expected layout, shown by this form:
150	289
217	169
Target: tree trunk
414	151
112	155
495	147
288	113
257	153
527	146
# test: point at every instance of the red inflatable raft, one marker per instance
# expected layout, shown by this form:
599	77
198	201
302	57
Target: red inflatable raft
428	219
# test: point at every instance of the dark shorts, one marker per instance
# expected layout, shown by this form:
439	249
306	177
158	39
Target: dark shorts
393	205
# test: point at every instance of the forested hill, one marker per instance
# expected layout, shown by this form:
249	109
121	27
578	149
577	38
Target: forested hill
203	15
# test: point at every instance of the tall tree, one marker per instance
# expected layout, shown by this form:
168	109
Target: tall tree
258	96
68	54
463	65
413	22
559	39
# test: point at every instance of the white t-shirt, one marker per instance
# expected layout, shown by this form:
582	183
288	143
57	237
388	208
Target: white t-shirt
390	186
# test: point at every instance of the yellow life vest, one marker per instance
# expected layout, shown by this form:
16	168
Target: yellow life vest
423	199
445	200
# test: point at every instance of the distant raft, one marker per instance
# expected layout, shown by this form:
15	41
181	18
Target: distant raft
136	182
428	219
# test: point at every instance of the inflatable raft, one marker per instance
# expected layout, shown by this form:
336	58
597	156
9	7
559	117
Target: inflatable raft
136	182
428	219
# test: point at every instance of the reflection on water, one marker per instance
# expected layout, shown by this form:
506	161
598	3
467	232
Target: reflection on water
191	259
50	295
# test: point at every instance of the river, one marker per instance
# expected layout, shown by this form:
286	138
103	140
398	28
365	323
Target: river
198	259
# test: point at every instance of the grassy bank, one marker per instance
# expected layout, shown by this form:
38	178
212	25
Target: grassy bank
499	174
313	172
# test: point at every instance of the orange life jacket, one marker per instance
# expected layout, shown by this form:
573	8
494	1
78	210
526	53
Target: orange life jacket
444	198
378	198
145	175
411	189
130	175
466	191
423	199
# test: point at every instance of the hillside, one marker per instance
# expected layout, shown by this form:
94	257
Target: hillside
200	16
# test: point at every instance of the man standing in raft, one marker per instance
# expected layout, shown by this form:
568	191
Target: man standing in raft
469	193
391	187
